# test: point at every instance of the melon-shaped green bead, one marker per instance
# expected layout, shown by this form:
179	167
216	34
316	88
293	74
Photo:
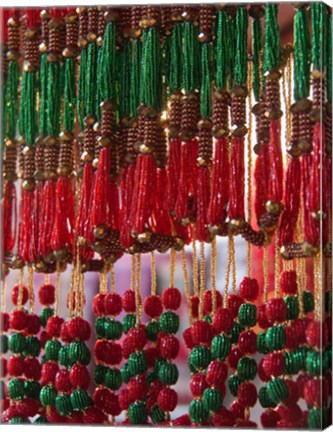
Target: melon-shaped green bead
208	318
32	389
32	346
48	395
40	420
129	322
137	363
99	374
233	383
151	376
308	301
99	327
200	357
261	343
3	344
126	374
137	413
113	329
212	399
113	379
327	359
277	390
292	366
63	356
152	330
168	373
17	343
247	368
79	400
235	332
169	322
314	363
317	418
63	405
2	390
247	314
158	363
292	307
220	347
15	389
197	411
300	355
157	415
17	420
45	315
264	399
52	348
275	338
78	352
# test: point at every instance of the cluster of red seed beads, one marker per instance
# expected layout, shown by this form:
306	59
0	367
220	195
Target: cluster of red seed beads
108	353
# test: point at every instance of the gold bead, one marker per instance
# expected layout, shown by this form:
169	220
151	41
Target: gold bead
28	185
43	47
144	237
100	231
17	262
87	156
274	207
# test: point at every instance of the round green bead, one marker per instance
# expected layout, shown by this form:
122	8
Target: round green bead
275	338
157	415
3	344
40	420
200	357
137	363
168	373
264	399
158	363
292	366
52	348
137	413
79	399
277	390
48	396
308	301
152	330
99	374
113	329
220	347
78	352
261	343
45	315
212	399
32	389
63	356
113	379
17	420
126	374
247	315
292	307
314	364
300	355
129	322
235	332
32	346
233	383
197	411
99	327
169	322
17	343
317	419
63	405
15	389
247	368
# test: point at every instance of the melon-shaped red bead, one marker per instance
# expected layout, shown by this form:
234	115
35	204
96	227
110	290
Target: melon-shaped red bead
293	393
167	399
169	347
32	368
151	354
249	289
200	332
128	301
153	306
79	376
114	353
187	336
208	301
198	384
4	321
300	381
137	337
15	366
46	294
247	342
49	372
53	326
113	304
16	294
194	305
290	413
3	367
299	325
43	338
314	392
33	324
276	310
64	333
79	328
234	356
237	409
291	341
316	334
269	419
18	319
124	399
62	381
107	401
98	304
217	373
223	320
234	303
274	364
171	298
101	350
28	407
247	394
262	317
93	415
261	372
288	282
137	388
155	388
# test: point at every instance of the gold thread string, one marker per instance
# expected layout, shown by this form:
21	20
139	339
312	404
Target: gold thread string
103	286
300	262
233	266
71	292
47	279
57	291
172	267
266	275
318	286
277	267
137	290
195	266
213	273
202	279
227	275
133	269
31	289
249	172
153	274
112	278
187	286
20	293
81	293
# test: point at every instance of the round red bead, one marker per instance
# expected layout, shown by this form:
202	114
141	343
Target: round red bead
18	319
124	399
3	367
64	333
32	368
208	301
288	282
49	372
187	336
234	303
237	409
28	407
261	372
46	294
4	323
313	392
153	306
43	338
15	366
299	325
75	418
62	381
300	381
79	328
194	301
113	304
290	413
151	354
98	304
167	399
155	388
247	394
247	342
114	354
79	376
316	334
262	317
291	342
223	320
249	289
234	356
137	337
198	384
269	419
94	415
171	298
33	324
293	393
108	401
200	332
217	373
128	301
53	326
137	388
276	310
274	364
16	294
169	347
